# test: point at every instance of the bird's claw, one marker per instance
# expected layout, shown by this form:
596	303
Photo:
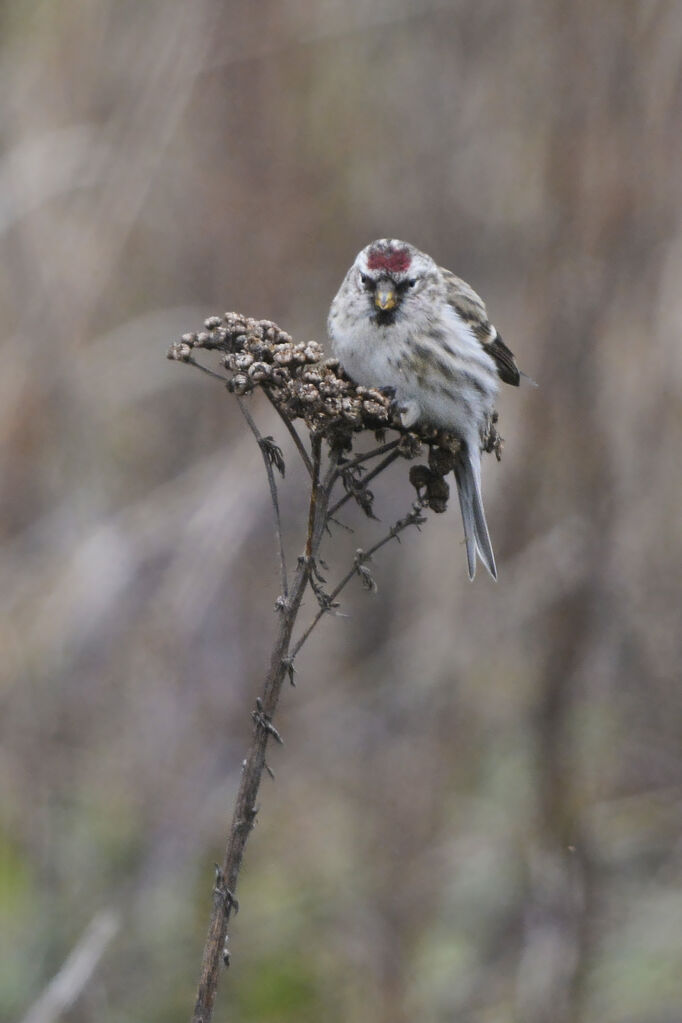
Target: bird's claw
408	412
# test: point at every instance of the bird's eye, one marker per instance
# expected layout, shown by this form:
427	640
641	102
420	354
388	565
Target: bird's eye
367	281
406	284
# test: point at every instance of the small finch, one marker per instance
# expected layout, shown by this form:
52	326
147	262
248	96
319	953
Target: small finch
400	321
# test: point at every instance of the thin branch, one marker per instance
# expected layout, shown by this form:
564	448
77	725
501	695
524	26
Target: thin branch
316	444
191	361
368	478
389	446
245	811
340	524
292	430
414	518
258	354
332	469
267	461
327	488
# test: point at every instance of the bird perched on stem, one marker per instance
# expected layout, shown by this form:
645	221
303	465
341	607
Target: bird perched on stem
400	321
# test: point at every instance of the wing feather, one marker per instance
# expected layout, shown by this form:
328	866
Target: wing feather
472	310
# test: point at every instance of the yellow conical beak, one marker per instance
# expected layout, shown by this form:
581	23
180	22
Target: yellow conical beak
385	297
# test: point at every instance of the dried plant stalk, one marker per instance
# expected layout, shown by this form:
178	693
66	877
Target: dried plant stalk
308	390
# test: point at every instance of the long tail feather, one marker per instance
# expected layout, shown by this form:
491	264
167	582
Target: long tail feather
466	504
477	538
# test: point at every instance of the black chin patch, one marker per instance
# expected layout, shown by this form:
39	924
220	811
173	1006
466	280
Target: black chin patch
384	317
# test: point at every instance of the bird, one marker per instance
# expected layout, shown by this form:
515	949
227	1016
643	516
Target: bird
401	322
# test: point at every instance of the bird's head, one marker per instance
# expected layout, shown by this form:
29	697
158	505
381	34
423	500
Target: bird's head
390	275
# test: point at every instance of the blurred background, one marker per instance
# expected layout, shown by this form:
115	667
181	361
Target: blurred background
476	814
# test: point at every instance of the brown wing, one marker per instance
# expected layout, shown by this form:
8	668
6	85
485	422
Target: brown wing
471	308
506	365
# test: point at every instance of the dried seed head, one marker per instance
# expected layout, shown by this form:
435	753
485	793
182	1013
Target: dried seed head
410	445
419	476
181	351
311	376
259	371
432	488
284	354
375	410
442	460
437	493
303	384
239	384
242	360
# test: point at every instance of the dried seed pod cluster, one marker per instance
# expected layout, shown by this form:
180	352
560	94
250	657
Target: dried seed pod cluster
304	385
298	378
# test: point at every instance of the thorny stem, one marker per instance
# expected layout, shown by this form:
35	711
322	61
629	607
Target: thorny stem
328	486
353	463
287	422
245	810
281	665
204	369
414	518
316	445
273	493
253	340
383	464
292	430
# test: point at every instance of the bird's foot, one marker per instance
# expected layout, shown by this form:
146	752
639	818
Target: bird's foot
409	413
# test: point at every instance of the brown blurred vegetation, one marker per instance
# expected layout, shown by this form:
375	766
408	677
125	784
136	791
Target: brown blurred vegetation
476	812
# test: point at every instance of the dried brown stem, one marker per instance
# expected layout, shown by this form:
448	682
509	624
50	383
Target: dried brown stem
245	810
316	444
190	361
227	875
300	386
365	456
293	432
384	464
267	461
414	518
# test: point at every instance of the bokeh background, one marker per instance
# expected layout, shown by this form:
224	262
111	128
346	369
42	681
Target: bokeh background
476	814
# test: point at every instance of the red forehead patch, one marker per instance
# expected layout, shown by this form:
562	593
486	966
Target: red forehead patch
393	261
